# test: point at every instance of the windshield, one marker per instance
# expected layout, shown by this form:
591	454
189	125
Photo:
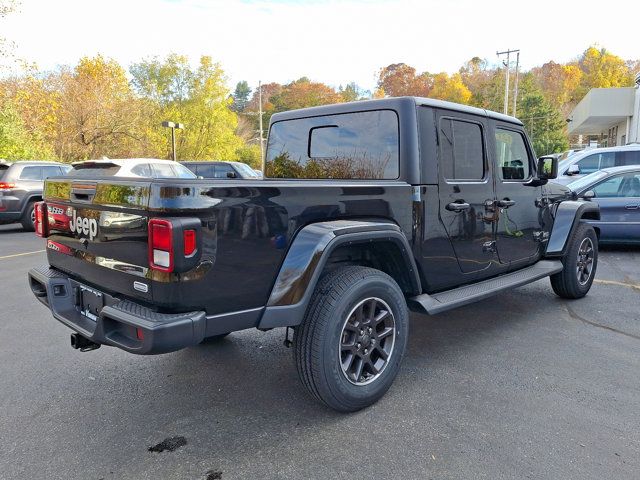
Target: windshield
246	171
587	180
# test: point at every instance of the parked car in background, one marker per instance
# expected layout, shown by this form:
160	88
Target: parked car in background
21	185
132	167
219	169
617	191
591	160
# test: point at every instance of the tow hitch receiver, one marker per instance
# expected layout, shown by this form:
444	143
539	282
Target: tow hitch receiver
82	343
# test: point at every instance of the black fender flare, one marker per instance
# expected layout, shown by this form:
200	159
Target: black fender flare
567	218
307	257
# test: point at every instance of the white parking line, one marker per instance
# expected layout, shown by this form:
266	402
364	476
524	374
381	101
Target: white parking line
21	254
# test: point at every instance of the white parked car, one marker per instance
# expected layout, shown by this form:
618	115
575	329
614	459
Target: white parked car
132	167
595	159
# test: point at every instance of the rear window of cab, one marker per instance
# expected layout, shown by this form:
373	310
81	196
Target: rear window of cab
358	145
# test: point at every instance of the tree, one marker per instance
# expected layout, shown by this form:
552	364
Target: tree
241	96
351	92
399	79
602	69
481	80
544	123
304	93
559	83
16	142
450	88
198	98
98	114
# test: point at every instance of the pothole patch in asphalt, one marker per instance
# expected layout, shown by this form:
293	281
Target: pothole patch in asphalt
169	444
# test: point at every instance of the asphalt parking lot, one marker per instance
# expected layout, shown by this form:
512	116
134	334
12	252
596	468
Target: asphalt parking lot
525	385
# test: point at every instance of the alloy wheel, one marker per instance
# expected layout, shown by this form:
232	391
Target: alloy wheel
366	341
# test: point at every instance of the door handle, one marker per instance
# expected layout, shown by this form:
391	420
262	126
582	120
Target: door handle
505	203
458	207
631	207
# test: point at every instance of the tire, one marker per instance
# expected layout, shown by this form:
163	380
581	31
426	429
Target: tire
579	264
335	337
27	219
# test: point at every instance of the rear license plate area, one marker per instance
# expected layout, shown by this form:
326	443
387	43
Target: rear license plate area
89	302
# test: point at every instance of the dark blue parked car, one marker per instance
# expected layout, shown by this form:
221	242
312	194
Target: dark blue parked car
617	191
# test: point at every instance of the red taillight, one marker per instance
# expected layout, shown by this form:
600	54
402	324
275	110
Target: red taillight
7	185
161	245
40	224
189	242
139	334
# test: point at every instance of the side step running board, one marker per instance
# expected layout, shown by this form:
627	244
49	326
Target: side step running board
439	302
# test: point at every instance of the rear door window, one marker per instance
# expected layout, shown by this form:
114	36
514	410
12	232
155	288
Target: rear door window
357	145
31	173
461	150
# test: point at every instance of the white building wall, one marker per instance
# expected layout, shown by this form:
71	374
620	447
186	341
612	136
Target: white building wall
634	123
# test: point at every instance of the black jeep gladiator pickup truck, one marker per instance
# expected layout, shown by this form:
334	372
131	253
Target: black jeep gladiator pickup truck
367	210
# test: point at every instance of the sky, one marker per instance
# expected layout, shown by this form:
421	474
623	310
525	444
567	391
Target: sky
335	42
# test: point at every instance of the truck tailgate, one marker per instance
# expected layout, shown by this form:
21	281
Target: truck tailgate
98	233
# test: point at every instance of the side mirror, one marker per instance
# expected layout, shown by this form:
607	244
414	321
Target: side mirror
547	168
589	194
231	175
573	169
200	177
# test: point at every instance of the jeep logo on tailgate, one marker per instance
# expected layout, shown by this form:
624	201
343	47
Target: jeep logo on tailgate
84	226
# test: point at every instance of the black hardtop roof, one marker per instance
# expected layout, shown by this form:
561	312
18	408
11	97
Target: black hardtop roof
394	103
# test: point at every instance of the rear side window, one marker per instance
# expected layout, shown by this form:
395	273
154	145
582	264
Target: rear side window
142	170
628	158
223	170
360	145
206	171
461	150
512	157
52	171
595	162
31	173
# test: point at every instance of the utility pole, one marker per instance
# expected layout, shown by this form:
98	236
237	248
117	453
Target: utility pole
173	126
515	90
507	64
260	114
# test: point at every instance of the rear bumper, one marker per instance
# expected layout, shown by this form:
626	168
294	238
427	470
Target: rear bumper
120	323
7	217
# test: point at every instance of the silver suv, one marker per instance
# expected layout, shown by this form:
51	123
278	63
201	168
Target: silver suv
21	185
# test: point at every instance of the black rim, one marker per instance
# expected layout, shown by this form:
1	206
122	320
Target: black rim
366	341
585	261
